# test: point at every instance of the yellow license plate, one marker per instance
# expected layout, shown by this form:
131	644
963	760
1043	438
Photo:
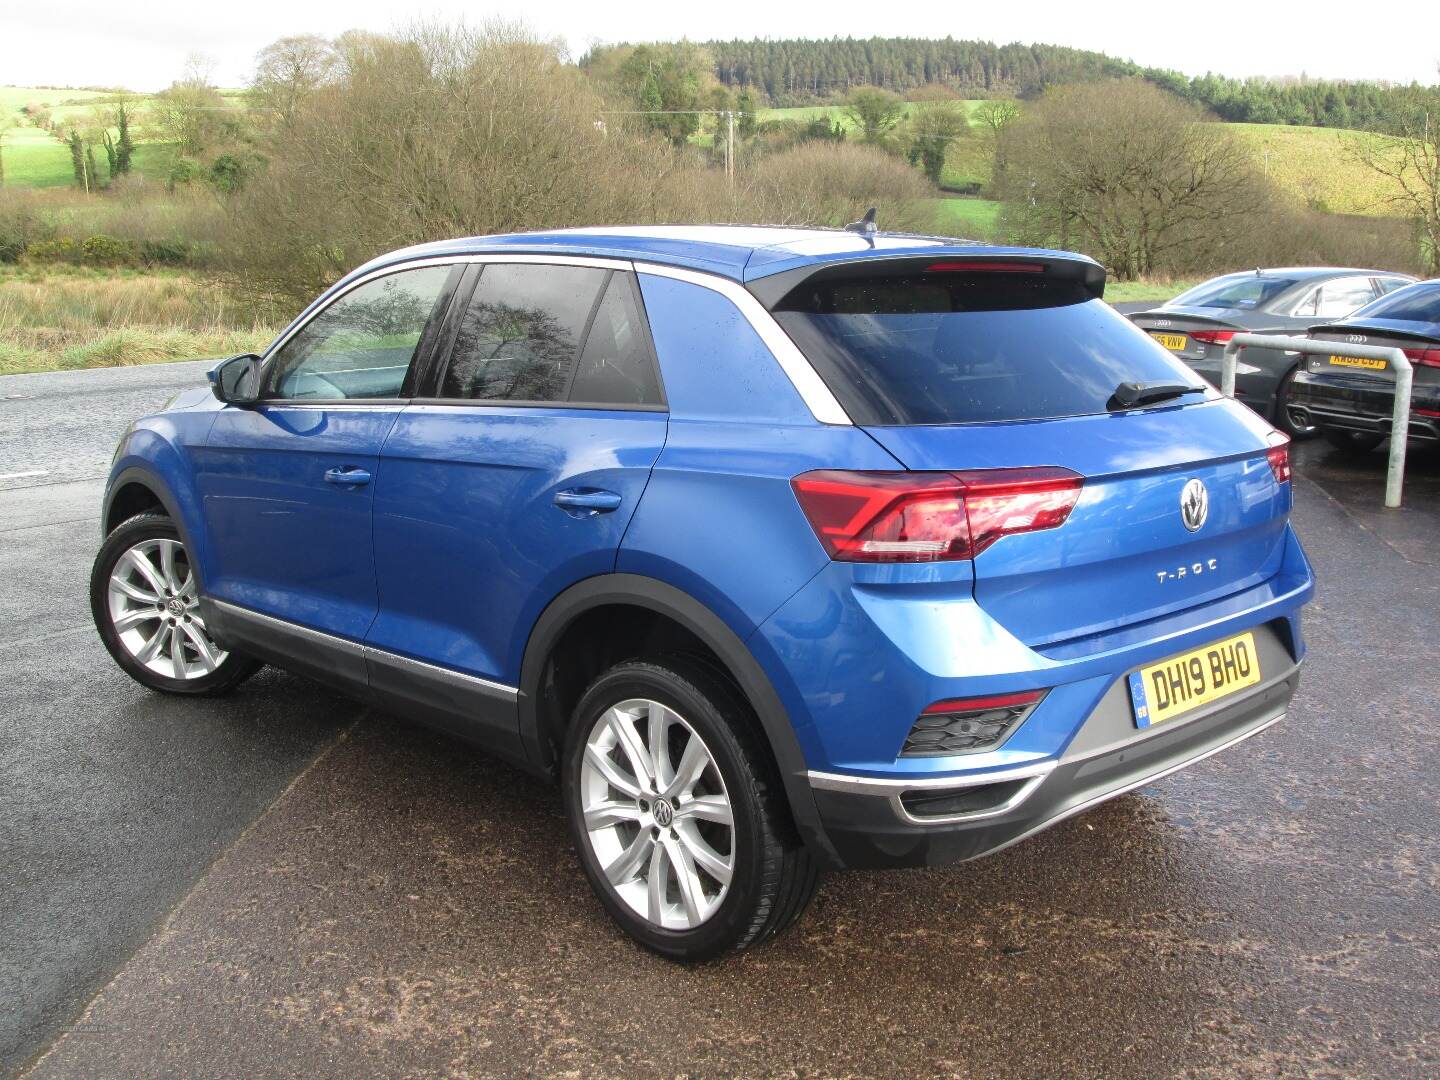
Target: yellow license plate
1358	362
1172	687
1173	342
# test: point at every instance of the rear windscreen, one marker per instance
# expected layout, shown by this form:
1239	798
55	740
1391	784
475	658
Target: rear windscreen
1415	304
1234	291
954	348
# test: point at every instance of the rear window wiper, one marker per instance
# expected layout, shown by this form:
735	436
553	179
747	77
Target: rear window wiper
1134	395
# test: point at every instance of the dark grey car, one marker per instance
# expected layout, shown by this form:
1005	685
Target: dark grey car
1198	323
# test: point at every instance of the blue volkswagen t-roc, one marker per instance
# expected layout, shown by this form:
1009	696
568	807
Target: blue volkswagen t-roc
781	550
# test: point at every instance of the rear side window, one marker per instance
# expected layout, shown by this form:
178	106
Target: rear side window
955	348
547	333
616	366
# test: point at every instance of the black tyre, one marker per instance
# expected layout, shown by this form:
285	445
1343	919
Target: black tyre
1283	419
678	814
1352	442
143	595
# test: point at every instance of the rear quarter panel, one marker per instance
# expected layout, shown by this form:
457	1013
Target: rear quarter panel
719	519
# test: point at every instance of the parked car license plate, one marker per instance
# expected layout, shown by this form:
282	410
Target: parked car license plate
1358	362
1165	690
1173	342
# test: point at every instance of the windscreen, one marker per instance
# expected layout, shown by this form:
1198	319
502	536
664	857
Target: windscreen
1234	291
1417	303
954	348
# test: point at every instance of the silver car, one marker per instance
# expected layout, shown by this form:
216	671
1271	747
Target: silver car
1198	323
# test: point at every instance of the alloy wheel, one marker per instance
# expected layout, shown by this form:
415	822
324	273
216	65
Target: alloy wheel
657	815
152	603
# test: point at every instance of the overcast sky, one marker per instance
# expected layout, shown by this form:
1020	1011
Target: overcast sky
143	44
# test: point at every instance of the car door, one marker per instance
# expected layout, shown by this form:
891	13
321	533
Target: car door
287	484
514	479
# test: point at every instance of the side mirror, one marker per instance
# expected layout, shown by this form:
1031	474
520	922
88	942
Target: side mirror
237	381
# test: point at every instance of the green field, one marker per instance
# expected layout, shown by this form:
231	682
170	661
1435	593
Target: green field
837	112
38	159
35	158
1314	165
972	219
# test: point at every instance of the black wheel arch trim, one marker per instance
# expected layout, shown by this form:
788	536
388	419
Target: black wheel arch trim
152	483
654	595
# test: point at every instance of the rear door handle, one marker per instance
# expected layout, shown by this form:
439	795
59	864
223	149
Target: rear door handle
348	477
584	502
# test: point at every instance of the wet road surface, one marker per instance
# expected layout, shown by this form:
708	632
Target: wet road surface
387	902
112	800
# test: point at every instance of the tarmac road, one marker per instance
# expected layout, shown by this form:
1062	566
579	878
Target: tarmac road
276	884
112	800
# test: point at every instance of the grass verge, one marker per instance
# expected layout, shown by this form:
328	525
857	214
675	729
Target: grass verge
60	320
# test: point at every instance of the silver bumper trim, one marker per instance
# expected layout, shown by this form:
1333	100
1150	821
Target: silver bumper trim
892	788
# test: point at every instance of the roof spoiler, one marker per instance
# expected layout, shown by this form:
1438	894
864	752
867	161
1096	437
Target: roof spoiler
771	290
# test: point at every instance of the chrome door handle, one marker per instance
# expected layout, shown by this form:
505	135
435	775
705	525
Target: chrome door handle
347	477
583	502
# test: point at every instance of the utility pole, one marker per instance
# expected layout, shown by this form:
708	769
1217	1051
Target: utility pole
730	148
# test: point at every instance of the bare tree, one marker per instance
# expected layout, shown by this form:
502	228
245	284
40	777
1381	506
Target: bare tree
1410	160
289	71
451	132
1128	172
190	113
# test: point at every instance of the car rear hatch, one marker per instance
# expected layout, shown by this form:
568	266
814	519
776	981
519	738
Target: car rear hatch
1188	333
1125	555
1422	350
960	369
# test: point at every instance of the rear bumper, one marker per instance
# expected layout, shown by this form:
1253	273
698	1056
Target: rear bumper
869	822
1332	403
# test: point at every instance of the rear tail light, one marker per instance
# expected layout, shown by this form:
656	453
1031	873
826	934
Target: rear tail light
1424	357
965	725
888	517
1213	337
1279	457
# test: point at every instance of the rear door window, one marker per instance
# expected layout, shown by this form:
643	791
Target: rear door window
538	333
948	348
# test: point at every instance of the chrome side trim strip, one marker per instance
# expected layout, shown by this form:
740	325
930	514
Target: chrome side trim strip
456	678
342	644
369	652
822	404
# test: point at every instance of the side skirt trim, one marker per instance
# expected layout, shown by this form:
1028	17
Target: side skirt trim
479	711
369	652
